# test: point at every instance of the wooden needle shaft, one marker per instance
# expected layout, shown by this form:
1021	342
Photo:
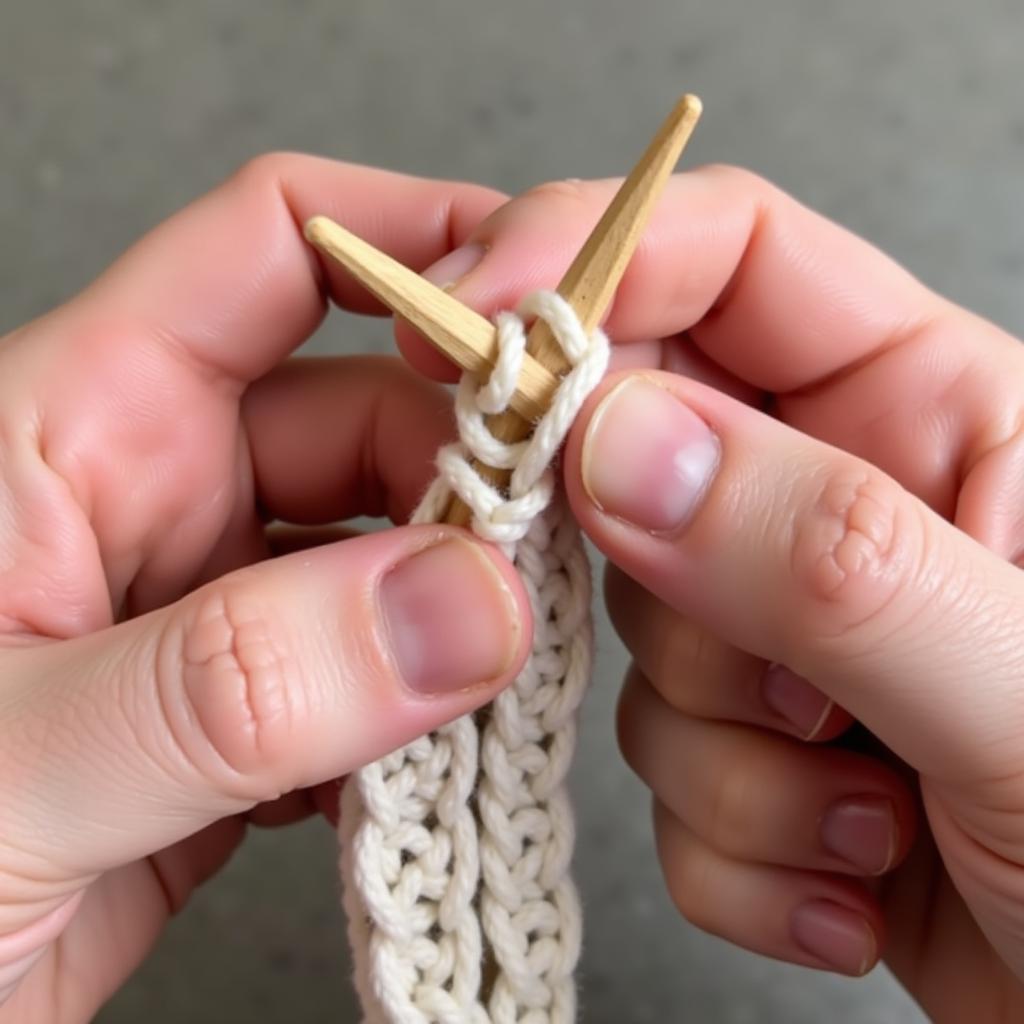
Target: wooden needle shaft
467	338
590	282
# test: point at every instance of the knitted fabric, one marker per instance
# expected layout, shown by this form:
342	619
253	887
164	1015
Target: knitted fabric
457	848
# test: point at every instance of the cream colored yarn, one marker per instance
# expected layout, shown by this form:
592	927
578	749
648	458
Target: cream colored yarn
456	849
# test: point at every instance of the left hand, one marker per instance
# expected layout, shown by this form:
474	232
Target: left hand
163	681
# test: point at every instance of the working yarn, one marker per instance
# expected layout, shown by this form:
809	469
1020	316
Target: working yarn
456	848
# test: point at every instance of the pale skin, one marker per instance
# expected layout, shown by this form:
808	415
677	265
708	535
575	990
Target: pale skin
853	513
832	484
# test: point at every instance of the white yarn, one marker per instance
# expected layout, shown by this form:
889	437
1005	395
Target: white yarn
456	849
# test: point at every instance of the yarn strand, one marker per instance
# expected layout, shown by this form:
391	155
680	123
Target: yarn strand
456	849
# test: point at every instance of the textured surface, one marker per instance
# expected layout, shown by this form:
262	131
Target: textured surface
902	120
457	849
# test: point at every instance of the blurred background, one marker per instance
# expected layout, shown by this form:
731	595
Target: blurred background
902	120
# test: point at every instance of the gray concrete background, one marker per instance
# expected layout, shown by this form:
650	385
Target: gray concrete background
901	119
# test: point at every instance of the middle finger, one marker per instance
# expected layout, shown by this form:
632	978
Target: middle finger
698	673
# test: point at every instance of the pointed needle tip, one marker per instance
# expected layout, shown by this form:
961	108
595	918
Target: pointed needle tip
690	106
313	229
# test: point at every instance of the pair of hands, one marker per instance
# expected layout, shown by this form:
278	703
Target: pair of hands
806	476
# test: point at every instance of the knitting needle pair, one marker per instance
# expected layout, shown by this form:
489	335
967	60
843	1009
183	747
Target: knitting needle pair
588	286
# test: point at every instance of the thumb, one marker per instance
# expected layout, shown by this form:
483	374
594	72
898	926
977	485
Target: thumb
805	555
279	676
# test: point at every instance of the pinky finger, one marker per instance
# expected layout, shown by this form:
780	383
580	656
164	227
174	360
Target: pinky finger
802	917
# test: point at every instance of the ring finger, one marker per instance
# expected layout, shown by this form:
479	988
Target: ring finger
754	796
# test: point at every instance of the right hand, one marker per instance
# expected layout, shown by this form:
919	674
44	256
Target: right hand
862	535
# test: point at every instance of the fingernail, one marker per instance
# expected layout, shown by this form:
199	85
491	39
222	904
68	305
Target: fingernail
862	831
796	700
448	271
647	458
451	618
836	935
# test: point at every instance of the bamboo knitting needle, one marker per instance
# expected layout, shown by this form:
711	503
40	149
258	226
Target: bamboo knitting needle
467	338
590	282
588	285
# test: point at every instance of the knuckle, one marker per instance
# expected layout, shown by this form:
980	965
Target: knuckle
226	663
674	653
628	728
684	655
757	190
566	189
728	812
689	874
263	169
733	787
742	175
854	550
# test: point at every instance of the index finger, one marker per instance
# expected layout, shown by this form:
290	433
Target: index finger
773	292
858	352
230	283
